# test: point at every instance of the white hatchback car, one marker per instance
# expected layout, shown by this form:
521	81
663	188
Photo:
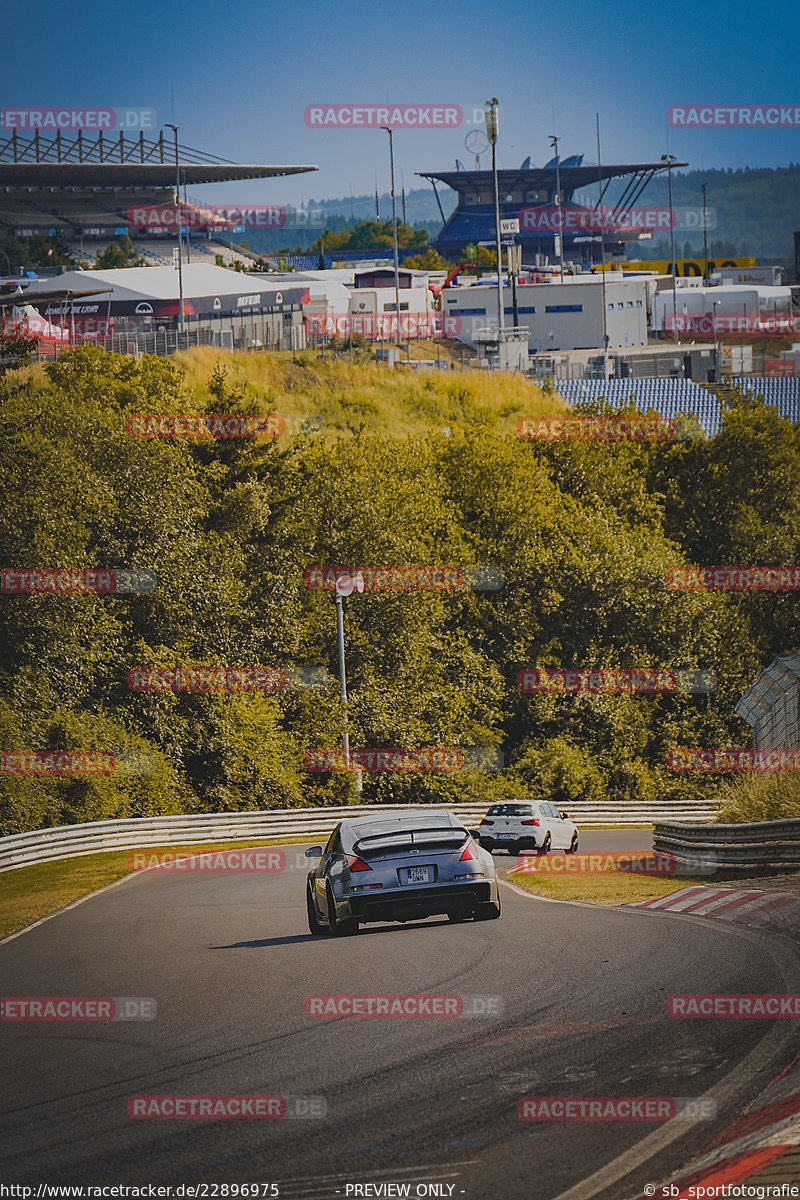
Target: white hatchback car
538	825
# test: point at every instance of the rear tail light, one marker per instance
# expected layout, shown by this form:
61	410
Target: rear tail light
357	864
485	822
469	851
531	821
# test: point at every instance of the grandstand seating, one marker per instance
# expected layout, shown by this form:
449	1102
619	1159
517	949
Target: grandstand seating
667	397
784	393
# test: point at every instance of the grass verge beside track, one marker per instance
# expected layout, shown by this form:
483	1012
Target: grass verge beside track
627	887
32	892
613	888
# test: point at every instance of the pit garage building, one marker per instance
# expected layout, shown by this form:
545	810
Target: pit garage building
147	299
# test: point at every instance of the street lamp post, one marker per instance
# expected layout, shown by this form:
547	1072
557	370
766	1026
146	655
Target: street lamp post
705	239
669	159
174	128
492	126
715	303
345	585
394	235
560	234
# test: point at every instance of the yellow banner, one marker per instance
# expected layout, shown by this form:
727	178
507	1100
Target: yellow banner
686	266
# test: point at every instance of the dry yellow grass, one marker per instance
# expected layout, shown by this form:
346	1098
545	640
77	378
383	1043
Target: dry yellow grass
393	402
761	797
600	888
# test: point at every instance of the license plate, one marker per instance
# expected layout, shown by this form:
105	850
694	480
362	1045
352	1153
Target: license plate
415	875
506	835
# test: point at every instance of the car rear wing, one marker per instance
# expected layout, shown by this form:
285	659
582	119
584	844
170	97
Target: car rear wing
414	837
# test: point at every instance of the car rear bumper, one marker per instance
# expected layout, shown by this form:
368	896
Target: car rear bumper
409	904
527	842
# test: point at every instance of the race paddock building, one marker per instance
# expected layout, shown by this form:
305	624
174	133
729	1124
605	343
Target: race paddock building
220	307
90	188
543	200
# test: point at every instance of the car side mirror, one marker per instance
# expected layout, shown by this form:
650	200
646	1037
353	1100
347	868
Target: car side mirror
474	833
314	852
565	816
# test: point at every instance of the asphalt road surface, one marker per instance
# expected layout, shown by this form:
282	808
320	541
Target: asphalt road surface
417	1101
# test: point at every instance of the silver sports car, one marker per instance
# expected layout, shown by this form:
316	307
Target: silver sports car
399	867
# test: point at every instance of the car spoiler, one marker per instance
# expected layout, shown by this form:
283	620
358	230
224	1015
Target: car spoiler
415	836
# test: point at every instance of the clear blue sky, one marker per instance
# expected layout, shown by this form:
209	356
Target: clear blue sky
242	74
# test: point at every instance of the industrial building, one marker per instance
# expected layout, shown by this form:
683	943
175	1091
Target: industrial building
574	315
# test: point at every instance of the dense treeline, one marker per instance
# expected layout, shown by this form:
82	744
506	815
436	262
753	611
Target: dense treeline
583	534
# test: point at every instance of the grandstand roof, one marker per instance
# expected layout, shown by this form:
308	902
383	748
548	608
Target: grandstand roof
570	177
134	175
56	161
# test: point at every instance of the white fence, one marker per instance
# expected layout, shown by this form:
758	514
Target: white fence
71	841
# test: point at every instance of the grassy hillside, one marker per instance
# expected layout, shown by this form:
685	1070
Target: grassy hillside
350	395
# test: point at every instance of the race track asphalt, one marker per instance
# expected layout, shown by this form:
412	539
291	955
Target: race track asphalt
418	1101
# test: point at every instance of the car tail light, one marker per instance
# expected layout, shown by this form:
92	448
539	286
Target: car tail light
469	851
530	821
485	822
356	864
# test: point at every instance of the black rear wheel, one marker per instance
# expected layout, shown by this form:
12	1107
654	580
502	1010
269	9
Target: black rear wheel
336	927
573	846
313	920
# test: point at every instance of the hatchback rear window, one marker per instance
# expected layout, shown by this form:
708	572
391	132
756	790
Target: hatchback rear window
509	810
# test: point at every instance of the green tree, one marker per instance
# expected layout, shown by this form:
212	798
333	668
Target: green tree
119	253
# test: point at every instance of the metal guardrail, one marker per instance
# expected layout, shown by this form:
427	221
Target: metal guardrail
71	841
734	847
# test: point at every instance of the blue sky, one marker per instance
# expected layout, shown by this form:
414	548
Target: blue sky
241	76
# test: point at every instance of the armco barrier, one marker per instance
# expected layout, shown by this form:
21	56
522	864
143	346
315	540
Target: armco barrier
734	847
71	841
